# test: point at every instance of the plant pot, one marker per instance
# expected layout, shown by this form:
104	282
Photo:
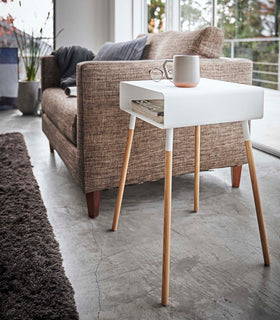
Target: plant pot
28	96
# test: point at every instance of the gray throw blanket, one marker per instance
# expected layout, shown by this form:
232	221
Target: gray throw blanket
67	59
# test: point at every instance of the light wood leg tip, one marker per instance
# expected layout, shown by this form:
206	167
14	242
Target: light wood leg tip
124	172
164	303
114	227
197	168
267	262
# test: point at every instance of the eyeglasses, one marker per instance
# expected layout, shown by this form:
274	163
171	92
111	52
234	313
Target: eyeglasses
157	74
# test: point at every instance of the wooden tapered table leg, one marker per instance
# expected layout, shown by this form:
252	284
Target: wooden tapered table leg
197	168
51	148
167	217
256	192
124	172
236	176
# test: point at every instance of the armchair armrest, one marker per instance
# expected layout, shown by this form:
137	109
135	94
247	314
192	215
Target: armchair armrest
50	75
108	74
101	125
226	69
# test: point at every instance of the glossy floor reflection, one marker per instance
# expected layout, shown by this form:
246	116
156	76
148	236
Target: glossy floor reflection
216	260
266	132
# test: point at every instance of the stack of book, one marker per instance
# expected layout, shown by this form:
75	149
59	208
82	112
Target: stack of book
152	109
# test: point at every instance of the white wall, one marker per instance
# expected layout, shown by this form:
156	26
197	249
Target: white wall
90	23
85	23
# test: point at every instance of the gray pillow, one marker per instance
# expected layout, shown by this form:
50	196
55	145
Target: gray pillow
129	50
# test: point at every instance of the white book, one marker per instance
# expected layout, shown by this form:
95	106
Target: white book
153	109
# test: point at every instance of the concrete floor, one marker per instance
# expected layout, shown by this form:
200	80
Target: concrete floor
267	130
217	269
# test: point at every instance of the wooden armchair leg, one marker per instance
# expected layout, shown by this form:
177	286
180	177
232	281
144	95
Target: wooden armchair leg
93	202
236	176
51	148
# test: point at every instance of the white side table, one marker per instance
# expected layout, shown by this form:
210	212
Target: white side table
211	102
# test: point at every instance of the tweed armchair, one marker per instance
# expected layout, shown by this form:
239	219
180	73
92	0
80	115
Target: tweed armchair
89	132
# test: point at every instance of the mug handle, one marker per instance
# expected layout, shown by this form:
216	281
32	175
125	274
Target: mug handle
165	70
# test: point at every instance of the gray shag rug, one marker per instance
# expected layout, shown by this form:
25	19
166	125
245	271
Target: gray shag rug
33	284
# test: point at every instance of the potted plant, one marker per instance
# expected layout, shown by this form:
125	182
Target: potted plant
31	48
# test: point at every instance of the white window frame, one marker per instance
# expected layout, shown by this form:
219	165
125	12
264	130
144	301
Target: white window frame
140	17
172	15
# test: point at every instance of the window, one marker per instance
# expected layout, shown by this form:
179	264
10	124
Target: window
250	28
195	14
156	16
247	19
29	16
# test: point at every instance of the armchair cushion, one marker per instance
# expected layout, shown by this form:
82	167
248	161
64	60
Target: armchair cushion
129	50
62	111
206	43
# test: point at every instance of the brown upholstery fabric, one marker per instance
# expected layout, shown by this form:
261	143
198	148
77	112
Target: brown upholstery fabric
225	69
102	127
62	111
66	149
101	146
206	43
50	76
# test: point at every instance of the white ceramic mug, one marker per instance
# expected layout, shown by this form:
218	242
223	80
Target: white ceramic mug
186	70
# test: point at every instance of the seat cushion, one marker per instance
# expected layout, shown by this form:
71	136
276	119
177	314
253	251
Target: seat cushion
206	43
62	111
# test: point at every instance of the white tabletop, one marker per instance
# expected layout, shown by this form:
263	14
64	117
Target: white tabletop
211	102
